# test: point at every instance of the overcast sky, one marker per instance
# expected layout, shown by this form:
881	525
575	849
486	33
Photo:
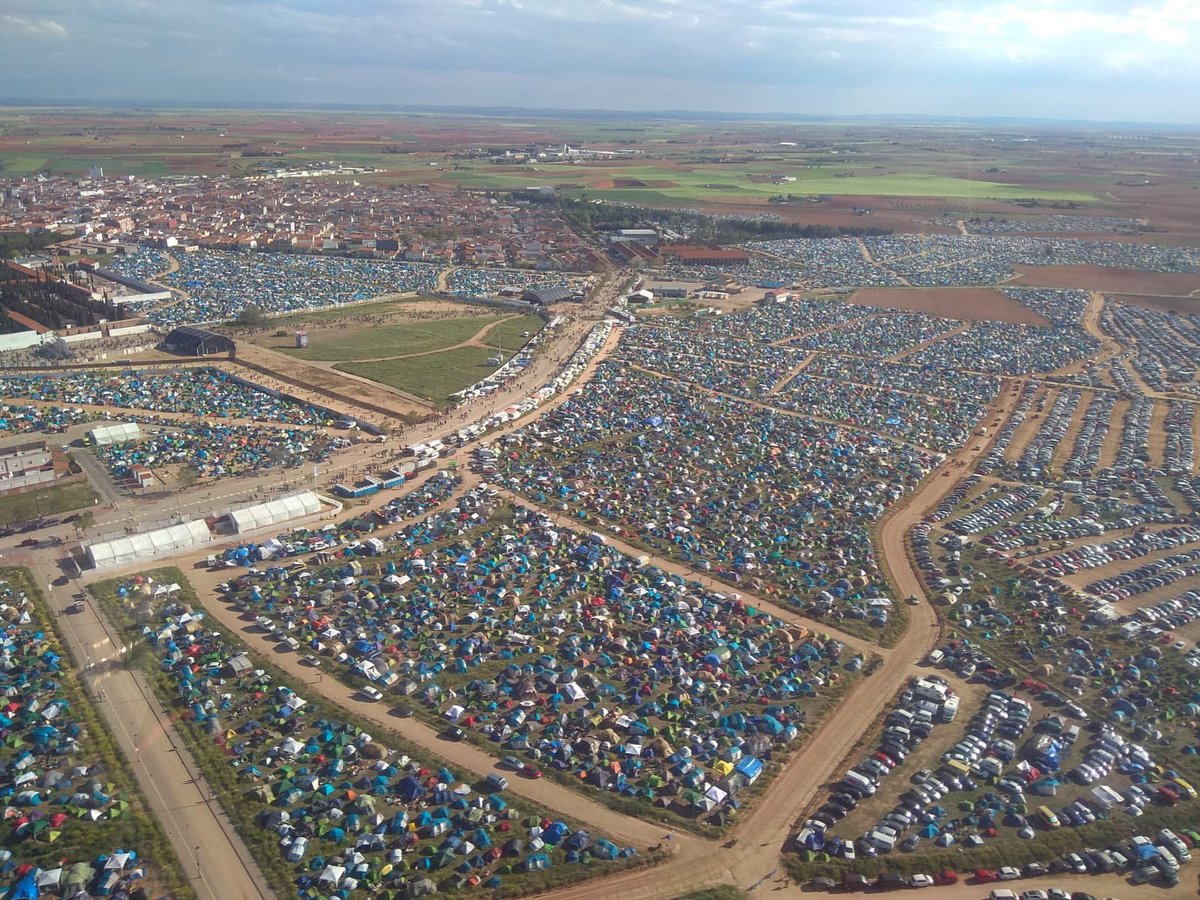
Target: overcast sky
1131	60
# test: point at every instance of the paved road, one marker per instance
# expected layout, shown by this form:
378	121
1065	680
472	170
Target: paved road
213	856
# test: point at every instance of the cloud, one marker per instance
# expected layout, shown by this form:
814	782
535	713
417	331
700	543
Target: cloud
1070	58
31	27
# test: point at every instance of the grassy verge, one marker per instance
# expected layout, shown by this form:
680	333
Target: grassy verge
45	502
723	892
243	808
136	828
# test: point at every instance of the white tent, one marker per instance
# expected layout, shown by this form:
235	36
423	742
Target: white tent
273	512
116	433
149	544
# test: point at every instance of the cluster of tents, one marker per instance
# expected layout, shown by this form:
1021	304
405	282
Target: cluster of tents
600	665
347	810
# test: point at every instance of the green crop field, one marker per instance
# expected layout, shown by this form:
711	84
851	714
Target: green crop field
729	183
20	163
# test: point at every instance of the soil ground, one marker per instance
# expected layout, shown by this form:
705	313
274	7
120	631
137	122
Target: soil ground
972	304
1099	278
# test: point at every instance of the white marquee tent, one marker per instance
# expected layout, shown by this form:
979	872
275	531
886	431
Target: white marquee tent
116	433
149	544
273	512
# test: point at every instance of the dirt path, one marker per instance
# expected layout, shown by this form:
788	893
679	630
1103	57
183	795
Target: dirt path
443	279
904	354
796	370
832	326
475	340
865	251
1031	425
1067	445
1157	441
1116	428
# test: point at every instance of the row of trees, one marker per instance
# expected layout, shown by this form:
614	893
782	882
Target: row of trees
592	217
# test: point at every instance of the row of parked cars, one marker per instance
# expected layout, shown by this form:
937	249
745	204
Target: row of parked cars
1160	573
925	703
1145	859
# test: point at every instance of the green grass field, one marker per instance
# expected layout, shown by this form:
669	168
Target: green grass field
45	502
728	183
509	334
415	337
392	340
433	377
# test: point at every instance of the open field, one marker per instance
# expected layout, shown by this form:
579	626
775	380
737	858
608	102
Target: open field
1179	305
1098	278
343	345
973	304
731	183
434	378
45	502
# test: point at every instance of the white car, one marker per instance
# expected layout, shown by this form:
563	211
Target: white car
370	693
922	881
311	660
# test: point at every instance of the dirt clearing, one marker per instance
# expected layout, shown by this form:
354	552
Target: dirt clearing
1100	278
971	304
1179	305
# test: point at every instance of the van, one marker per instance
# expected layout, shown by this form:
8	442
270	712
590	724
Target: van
1071	735
958	766
1185	788
950	708
370	693
1172	842
857	779
497	782
1049	819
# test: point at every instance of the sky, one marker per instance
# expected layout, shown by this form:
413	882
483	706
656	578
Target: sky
1107	60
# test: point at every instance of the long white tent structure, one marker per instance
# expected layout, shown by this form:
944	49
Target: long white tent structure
273	512
116	433
149	544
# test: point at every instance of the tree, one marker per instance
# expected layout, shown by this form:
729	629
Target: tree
251	316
